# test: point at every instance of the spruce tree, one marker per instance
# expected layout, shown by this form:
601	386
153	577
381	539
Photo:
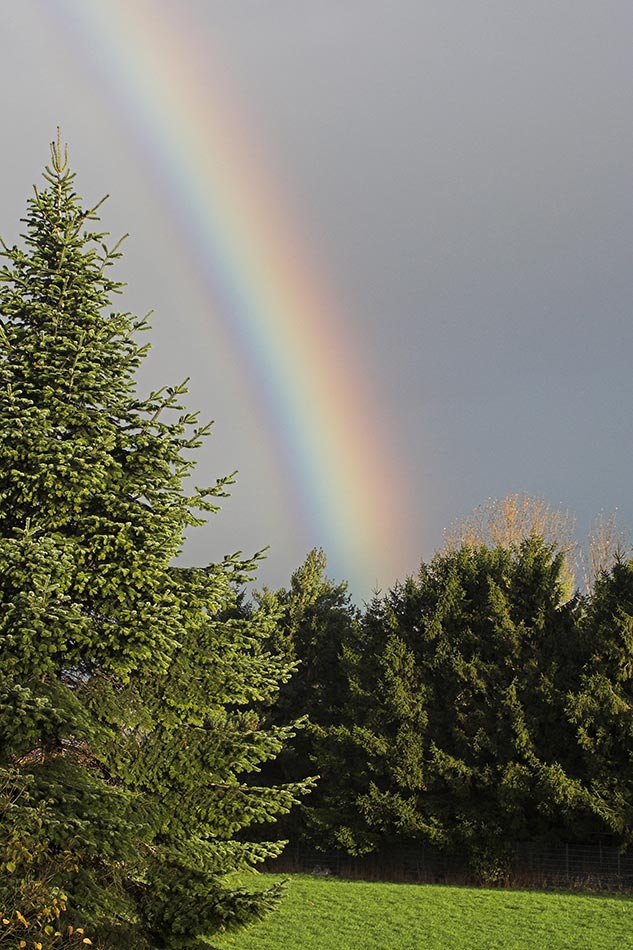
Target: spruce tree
317	619
457	732
126	689
601	708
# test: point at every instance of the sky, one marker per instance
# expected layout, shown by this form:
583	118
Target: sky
388	241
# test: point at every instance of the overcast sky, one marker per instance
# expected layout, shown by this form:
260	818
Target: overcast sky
461	172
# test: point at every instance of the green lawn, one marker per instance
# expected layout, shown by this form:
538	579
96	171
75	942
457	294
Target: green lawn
329	914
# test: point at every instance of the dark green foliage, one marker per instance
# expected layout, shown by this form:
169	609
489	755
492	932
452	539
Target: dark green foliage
316	620
127	685
602	707
456	731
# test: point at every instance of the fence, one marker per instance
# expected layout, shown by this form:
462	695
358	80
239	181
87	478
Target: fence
598	865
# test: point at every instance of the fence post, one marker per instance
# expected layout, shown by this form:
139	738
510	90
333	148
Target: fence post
567	860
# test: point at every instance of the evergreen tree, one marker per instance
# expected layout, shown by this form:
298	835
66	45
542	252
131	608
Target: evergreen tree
458	692
317	619
602	707
126	689
317	616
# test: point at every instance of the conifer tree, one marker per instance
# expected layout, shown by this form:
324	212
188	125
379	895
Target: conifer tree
126	695
602	706
316	621
457	732
317	617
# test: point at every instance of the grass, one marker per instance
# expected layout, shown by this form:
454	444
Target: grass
331	914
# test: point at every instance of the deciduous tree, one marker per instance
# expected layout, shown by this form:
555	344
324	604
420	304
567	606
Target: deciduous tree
516	517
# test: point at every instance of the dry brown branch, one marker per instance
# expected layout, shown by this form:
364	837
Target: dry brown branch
510	520
605	544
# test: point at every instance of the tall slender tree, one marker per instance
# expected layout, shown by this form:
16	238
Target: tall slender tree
317	619
126	695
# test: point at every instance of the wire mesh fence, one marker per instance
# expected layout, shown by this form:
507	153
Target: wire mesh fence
599	865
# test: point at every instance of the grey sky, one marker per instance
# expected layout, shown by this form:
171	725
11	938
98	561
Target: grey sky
463	171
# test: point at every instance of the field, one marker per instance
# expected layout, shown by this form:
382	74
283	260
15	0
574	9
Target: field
330	914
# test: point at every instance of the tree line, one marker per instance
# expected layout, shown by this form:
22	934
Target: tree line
160	733
472	706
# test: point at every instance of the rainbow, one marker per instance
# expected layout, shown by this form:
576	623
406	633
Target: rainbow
280	321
